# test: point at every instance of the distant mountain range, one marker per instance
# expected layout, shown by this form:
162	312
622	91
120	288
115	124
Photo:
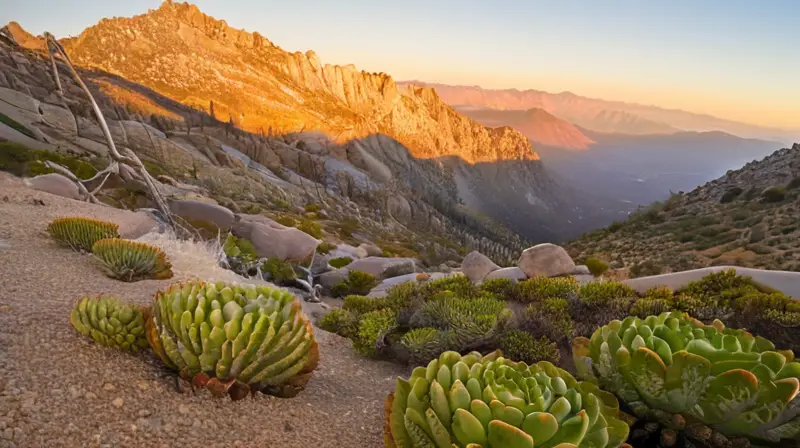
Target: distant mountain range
602	115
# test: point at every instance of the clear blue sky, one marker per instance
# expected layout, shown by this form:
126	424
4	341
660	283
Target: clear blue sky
737	59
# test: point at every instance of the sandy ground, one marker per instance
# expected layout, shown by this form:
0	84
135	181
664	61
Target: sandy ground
58	388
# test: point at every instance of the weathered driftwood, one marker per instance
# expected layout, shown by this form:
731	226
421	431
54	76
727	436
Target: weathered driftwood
115	157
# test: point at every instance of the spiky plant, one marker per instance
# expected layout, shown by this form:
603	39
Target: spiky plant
80	234
521	345
132	261
234	339
110	322
423	344
711	382
539	288
492	402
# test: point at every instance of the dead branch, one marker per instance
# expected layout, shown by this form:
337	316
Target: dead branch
115	158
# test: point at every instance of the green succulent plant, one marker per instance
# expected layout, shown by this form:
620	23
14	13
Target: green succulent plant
674	369
502	288
110	322
359	305
240	247
81	233
649	307
423	344
132	261
371	328
234	339
521	345
340	262
492	402
539	288
604	292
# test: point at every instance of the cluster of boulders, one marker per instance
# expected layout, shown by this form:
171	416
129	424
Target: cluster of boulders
542	260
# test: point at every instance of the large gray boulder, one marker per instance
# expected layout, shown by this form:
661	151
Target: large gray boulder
383	268
59	118
201	213
55	183
331	278
546	260
346	250
273	240
477	266
371	250
514	274
383	288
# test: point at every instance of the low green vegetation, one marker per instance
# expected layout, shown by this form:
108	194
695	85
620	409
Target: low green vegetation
25	162
325	247
310	227
240	248
356	283
13	124
340	262
596	266
279	271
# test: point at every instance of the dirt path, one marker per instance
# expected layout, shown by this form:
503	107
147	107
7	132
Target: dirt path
58	388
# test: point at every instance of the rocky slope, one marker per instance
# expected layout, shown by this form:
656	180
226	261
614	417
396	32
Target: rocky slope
538	125
602	115
747	217
403	149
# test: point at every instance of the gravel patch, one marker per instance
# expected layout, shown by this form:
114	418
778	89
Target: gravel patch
59	389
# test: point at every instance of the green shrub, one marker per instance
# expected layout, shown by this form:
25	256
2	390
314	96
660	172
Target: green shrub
312	208
795	183
339	321
649	307
359	305
340	262
310	227
730	195
645	269
371	328
502	288
773	194
279	271
458	284
25	162
720	288
596	266
550	318
604	292
348	226
287	221
615	226
325	247
659	292
519	345
539	288
402	296
357	283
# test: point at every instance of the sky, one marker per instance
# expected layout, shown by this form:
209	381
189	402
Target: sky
736	59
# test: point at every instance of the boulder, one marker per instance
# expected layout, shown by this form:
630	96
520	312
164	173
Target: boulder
476	266
546	260
346	250
202	213
328	279
273	240
59	118
399	209
383	288
582	270
383	268
371	249
56	184
514	274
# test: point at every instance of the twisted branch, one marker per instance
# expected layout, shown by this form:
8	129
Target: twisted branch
115	158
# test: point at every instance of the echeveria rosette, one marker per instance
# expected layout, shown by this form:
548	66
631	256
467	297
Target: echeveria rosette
110	322
492	402
681	372
234	338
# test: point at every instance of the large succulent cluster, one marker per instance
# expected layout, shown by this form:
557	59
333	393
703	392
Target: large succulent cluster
110	322
712	381
131	261
492	402
81	233
234	338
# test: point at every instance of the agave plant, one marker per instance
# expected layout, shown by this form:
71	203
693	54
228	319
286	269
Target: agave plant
81	233
233	339
110	322
131	261
715	383
492	402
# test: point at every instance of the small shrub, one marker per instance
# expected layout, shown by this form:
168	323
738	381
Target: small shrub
80	234
348	226
340	262
773	194
659	293
310	227
604	292
325	247
550	318
131	261
615	226
539	288
287	221
357	283
502	288
279	271
730	195
312	208
340	289
646	268
423	344
519	345
339	321
240	247
371	329
110	322
358	305
596	266
649	307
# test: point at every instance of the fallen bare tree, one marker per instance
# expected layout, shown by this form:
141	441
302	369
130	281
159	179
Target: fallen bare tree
116	159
